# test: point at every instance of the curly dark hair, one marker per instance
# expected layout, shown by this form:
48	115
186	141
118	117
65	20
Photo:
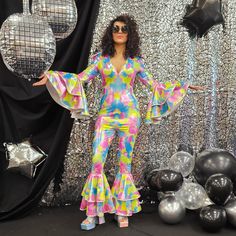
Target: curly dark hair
133	43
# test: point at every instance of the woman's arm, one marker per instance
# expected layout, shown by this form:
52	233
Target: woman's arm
165	98
147	79
196	88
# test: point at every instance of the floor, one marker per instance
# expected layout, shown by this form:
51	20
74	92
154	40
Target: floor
65	221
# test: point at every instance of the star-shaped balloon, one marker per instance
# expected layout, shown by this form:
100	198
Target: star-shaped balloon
24	158
201	16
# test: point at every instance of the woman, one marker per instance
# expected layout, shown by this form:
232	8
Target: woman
119	64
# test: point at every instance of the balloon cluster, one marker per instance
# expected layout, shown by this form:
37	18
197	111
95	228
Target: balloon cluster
210	188
216	170
201	16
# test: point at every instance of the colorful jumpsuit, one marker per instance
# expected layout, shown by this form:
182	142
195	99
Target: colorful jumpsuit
118	114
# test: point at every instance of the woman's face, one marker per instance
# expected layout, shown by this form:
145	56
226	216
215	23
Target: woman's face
120	32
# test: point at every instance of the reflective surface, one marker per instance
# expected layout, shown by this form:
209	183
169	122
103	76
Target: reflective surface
171	211
27	45
60	14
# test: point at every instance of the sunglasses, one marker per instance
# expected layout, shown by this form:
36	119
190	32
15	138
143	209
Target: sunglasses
117	29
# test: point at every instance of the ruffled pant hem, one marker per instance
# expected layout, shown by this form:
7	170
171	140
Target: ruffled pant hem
99	199
118	207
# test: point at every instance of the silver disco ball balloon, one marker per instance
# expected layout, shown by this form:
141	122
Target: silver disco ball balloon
27	44
60	14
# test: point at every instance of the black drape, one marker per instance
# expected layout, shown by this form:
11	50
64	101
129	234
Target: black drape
26	111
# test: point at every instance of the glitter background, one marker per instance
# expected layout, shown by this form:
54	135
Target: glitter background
206	119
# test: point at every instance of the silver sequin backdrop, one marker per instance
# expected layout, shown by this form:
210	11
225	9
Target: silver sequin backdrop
205	119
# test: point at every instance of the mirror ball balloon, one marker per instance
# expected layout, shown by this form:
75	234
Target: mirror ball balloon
60	14
27	44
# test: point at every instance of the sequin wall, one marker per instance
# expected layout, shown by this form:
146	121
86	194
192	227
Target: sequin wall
206	119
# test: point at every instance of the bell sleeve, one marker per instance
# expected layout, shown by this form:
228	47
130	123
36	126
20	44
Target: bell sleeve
67	88
165	97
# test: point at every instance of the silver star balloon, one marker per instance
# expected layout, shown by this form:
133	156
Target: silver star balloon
24	158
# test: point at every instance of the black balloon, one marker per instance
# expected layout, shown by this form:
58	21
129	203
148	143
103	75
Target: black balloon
210	162
201	15
234	185
213	218
168	180
219	188
150	178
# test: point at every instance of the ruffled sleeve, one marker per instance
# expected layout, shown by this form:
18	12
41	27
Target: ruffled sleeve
165	98
67	88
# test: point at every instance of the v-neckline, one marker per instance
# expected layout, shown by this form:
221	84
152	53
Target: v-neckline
122	67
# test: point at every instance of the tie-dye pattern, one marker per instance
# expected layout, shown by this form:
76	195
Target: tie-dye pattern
118	114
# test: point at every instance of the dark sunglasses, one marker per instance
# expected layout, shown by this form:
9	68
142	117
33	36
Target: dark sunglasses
117	29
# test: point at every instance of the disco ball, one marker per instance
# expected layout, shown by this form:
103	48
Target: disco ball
60	14
27	44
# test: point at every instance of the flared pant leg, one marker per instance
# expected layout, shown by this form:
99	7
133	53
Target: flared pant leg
97	196
125	194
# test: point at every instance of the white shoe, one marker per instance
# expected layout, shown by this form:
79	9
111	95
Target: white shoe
90	222
122	221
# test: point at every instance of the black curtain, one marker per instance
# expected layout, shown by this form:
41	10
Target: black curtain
27	111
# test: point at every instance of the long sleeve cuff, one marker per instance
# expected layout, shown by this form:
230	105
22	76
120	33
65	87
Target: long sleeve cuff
165	99
67	90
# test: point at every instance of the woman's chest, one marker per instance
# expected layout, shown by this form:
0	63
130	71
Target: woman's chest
123	71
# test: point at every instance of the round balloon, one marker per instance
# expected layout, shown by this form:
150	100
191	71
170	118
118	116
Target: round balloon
213	218
171	210
230	208
192	195
61	15
27	44
214	161
168	180
182	162
150	178
234	184
219	188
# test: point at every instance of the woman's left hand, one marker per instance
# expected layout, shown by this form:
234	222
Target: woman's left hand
196	88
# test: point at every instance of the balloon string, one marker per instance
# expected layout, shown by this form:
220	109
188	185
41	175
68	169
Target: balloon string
191	60
185	131
211	135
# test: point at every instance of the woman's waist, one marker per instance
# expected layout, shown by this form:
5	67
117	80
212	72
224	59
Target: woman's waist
118	96
119	112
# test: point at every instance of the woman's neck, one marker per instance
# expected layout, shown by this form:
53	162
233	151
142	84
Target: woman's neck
119	49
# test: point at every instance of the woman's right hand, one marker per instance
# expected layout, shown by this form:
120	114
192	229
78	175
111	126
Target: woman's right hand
43	80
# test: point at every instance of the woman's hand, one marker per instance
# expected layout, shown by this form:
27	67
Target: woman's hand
196	88
43	80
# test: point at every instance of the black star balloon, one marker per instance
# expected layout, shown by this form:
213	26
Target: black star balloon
24	158
201	16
